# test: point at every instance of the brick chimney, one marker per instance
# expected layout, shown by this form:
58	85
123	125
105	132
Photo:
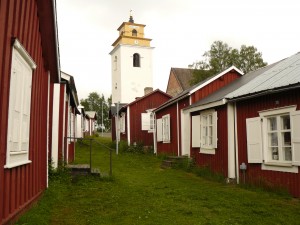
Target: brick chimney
147	90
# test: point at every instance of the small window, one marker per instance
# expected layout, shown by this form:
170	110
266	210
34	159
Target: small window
116	63
136	60
274	137
208	130
134	32
148	121
204	132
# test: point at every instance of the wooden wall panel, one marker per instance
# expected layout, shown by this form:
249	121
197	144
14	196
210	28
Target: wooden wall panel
218	162
19	186
248	109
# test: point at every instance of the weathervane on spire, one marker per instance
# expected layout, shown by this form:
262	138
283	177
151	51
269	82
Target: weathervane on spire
130	17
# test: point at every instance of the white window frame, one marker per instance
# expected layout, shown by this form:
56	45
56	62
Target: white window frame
258	144
159	135
199	128
148	121
19	108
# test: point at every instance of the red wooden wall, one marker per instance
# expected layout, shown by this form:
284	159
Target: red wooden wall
215	85
218	162
20	185
172	148
248	109
138	107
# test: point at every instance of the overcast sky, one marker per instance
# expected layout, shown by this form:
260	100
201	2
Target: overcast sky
181	31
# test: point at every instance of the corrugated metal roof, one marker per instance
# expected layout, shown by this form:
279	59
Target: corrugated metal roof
284	73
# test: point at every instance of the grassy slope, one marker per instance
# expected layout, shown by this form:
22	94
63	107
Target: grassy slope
142	193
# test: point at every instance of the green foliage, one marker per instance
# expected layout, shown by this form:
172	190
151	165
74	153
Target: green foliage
221	56
95	103
59	172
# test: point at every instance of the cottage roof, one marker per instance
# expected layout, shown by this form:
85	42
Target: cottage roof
145	96
183	76
91	114
197	86
282	74
71	88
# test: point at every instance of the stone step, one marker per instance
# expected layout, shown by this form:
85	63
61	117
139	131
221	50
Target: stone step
172	160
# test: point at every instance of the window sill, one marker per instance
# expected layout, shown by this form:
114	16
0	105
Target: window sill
280	167
281	164
12	165
210	151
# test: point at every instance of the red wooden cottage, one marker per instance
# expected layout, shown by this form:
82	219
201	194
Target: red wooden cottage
29	66
136	119
257	133
170	118
90	122
80	122
65	103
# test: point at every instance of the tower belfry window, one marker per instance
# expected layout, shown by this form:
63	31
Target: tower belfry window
136	60
134	32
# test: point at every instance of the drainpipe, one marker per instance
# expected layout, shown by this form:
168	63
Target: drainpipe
154	134
178	150
236	145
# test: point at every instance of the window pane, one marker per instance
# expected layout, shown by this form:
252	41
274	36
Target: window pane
204	120
210	119
272	123
210	131
286	138
274	151
287	154
210	140
273	138
285	122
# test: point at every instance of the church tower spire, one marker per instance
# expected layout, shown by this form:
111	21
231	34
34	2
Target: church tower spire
131	62
130	17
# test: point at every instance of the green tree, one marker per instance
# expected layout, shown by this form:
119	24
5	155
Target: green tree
95	103
221	56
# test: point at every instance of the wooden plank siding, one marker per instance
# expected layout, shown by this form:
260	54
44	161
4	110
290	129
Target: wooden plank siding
214	86
172	148
217	163
175	117
21	185
153	100
248	109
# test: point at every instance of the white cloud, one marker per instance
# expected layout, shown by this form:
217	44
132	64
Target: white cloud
181	31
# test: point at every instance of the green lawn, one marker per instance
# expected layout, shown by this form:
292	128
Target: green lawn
140	192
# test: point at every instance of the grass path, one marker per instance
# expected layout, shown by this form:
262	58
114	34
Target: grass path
143	193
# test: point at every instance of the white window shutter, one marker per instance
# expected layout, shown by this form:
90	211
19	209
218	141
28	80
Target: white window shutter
214	130
166	128
196	131
15	108
159	130
254	140
145	121
295	128
26	110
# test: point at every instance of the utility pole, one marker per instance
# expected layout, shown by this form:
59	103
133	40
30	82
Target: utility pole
117	129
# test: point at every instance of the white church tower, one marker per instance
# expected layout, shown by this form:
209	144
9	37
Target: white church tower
131	63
